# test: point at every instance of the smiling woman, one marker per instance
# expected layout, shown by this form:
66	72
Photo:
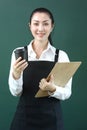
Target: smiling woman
41	27
27	76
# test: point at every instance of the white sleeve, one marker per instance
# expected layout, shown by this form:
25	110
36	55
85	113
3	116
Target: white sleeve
62	93
15	86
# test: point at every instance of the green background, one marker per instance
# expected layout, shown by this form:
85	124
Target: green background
70	35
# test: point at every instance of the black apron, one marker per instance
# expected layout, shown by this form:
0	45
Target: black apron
37	113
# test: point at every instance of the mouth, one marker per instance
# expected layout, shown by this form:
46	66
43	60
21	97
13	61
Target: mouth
40	34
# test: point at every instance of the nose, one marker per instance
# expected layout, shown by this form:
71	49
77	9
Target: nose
41	27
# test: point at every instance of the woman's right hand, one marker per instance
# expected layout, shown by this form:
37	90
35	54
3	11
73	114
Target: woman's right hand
18	67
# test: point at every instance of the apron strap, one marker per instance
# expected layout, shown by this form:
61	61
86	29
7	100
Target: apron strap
56	55
25	47
26	50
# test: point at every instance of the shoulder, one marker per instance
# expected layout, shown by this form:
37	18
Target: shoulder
13	54
63	56
62	52
18	48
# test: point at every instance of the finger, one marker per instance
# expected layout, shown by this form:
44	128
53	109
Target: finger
19	59
43	80
18	64
43	84
51	78
22	66
48	78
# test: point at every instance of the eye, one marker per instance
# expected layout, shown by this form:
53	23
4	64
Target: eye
46	24
36	24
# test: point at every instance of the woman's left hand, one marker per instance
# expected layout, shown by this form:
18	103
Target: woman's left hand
47	85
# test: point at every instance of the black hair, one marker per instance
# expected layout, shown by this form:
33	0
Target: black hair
45	11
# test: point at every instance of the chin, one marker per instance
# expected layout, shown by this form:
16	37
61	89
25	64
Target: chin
41	39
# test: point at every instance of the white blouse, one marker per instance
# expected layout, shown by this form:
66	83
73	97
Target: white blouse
48	54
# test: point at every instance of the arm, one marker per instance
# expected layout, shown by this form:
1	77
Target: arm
55	91
15	80
65	92
62	93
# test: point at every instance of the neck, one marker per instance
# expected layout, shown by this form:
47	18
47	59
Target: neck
39	47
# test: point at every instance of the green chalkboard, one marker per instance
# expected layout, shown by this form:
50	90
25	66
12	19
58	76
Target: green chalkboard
70	35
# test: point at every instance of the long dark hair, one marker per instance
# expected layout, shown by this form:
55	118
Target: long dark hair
45	11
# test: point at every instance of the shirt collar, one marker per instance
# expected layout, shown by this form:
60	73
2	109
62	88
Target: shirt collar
31	51
51	48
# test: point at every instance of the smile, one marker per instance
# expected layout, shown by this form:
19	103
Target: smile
40	34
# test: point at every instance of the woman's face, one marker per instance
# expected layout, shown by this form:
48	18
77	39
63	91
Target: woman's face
41	26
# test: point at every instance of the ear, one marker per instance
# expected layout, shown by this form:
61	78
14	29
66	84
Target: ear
52	28
29	25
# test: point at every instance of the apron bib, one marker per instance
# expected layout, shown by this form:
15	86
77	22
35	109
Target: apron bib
37	113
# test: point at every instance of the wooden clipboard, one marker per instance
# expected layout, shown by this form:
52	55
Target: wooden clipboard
62	72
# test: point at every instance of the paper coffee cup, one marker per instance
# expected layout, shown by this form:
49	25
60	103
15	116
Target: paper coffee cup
20	53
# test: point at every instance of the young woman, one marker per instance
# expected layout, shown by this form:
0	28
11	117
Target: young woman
27	77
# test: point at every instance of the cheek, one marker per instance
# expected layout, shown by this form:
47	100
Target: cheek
33	30
49	31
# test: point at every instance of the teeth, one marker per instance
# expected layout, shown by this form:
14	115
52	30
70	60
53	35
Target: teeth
40	33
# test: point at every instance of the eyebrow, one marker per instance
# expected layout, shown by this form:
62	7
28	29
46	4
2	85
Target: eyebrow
38	21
